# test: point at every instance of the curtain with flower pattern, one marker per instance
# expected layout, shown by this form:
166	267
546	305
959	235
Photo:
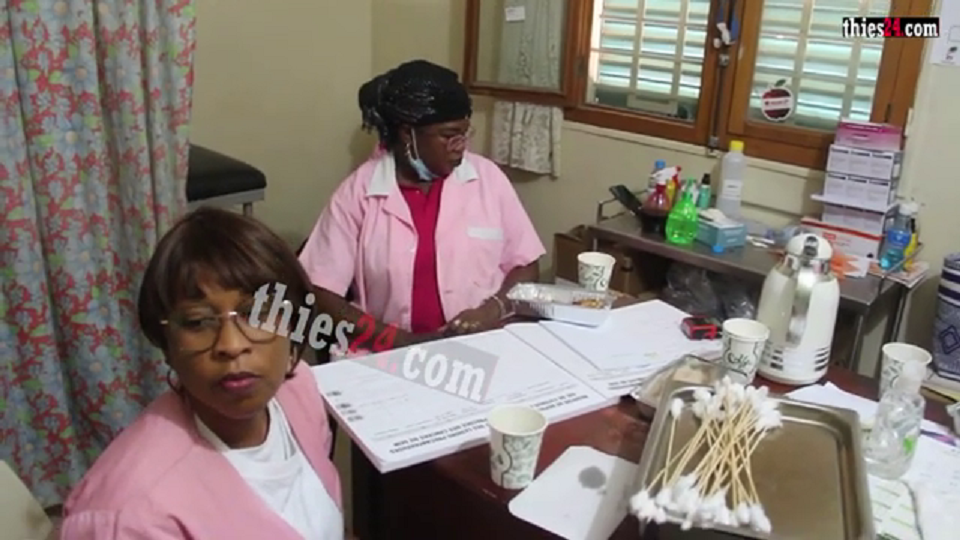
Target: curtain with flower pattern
95	100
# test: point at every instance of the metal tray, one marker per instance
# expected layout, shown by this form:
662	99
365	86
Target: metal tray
810	473
560	303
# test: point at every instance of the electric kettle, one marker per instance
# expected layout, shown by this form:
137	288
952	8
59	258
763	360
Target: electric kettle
799	304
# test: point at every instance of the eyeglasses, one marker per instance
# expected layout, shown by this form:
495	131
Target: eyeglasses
197	333
453	140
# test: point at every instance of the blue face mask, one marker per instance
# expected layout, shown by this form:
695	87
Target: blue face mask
424	172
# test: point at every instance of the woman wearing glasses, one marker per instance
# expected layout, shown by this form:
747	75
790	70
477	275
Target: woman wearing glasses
430	237
239	447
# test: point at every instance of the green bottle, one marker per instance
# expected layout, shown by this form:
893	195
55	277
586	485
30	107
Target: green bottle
684	218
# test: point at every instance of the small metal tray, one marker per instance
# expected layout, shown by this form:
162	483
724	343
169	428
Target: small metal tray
574	305
810	473
689	369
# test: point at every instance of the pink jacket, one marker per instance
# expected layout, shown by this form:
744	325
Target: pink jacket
160	480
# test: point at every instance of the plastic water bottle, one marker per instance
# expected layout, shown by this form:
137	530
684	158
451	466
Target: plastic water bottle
898	238
732	170
892	442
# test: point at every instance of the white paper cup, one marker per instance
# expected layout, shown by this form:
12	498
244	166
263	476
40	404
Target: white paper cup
743	343
895	355
594	270
516	434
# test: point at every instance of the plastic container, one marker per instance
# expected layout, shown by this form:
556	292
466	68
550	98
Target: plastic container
892	442
574	305
703	198
897	240
732	170
683	220
654	212
658	165
911	208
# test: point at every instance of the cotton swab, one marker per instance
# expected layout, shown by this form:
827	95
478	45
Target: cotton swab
734	420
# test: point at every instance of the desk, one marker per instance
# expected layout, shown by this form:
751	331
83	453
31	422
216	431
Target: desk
860	296
454	498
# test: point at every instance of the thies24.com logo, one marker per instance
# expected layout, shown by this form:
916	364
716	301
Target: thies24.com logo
890	27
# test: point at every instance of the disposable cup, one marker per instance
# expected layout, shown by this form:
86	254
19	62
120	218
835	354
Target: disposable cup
895	356
743	343
516	434
594	270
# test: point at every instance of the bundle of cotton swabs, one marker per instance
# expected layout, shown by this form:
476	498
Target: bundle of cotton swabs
718	489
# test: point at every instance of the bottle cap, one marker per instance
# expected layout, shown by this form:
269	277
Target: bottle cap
706	180
736	146
909	208
660	164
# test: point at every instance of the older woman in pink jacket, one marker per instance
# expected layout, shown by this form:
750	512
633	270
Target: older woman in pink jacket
239	447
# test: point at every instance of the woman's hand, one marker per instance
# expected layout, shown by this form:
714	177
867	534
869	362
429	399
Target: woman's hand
478	319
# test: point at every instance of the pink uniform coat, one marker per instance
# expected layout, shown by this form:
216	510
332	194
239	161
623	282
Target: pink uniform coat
160	480
366	237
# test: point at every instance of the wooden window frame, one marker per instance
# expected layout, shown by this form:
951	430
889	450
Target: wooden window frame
723	105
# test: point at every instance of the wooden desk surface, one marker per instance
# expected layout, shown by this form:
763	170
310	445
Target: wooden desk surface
453	497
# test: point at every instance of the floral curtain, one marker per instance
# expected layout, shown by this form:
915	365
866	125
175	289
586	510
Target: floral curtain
527	136
95	98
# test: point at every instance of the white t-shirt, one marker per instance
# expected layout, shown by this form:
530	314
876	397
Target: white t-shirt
280	474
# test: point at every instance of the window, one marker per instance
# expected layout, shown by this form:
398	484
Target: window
654	67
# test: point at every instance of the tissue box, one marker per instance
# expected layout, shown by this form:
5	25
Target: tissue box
859	219
721	237
868	136
844	240
866	193
878	164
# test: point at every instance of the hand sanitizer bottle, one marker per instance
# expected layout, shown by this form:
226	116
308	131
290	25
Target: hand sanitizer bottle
891	444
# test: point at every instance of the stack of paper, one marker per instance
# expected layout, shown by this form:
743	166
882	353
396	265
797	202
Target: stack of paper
411	405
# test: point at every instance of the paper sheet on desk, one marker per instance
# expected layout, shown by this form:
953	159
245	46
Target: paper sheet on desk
400	420
640	335
866	409
611	383
583	495
936	467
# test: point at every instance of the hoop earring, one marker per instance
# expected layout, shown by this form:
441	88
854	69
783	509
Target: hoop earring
294	362
174	385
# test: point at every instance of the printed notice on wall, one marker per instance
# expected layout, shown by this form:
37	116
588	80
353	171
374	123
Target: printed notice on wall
516	13
946	47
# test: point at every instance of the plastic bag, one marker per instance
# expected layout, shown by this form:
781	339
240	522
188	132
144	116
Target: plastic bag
735	300
702	293
688	289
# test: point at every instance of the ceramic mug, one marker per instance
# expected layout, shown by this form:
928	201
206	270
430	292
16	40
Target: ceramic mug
895	355
743	344
594	270
516	434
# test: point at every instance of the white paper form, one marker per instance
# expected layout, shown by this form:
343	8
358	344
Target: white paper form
401	420
611	383
935	467
645	335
